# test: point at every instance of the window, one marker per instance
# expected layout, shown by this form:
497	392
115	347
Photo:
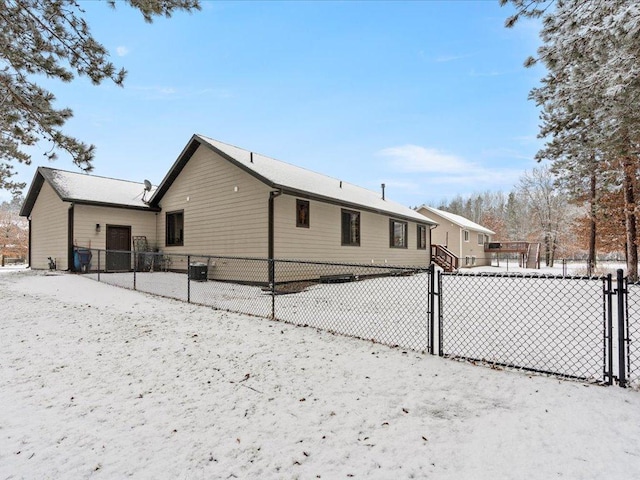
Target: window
422	237
175	228
480	239
466	235
350	228
398	234
302	213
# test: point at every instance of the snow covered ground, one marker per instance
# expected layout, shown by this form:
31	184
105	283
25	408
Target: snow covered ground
101	382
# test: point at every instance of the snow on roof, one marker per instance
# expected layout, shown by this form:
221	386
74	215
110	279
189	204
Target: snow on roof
458	220
81	187
285	175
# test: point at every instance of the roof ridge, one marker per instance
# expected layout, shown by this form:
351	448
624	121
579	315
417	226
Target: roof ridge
291	164
88	174
447	214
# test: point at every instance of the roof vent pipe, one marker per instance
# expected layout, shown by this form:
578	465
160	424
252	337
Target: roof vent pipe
383	191
340	183
251	157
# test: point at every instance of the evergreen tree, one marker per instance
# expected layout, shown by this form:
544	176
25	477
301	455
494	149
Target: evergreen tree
590	97
51	38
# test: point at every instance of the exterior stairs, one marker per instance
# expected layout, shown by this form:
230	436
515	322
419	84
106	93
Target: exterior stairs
533	255
444	258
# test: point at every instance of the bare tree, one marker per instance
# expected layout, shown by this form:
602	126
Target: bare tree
14	230
548	206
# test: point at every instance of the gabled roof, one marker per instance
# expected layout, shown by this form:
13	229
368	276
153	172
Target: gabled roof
458	220
290	179
87	189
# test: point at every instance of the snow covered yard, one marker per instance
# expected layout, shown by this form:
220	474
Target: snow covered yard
393	310
101	382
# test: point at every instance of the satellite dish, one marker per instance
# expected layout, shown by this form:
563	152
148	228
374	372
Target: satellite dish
147	185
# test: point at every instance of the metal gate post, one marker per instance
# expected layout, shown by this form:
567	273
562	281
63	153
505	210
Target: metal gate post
188	278
620	291
440	353
608	343
133	255
99	252
432	304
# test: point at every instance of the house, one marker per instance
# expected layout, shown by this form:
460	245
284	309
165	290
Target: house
456	241
218	199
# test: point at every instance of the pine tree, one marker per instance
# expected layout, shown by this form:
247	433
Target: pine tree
590	97
51	38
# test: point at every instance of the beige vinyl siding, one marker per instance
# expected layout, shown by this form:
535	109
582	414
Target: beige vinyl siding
49	229
452	235
472	249
225	212
322	240
447	234
86	216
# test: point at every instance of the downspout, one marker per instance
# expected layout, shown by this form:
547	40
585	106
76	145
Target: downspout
270	253
431	228
70	265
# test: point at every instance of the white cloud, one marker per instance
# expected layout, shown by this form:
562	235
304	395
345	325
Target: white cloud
153	92
419	174
122	51
450	58
413	158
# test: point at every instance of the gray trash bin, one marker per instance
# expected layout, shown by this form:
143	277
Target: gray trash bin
198	271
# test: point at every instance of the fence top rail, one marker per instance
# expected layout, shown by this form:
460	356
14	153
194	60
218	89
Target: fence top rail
544	276
419	268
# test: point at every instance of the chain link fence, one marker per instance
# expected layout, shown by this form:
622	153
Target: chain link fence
556	325
386	304
545	324
633	334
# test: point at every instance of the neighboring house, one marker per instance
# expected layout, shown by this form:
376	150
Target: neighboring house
457	236
218	199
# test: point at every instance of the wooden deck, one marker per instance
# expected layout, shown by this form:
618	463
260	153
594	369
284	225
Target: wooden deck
506	247
529	252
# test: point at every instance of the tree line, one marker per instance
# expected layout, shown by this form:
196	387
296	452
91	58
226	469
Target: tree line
539	209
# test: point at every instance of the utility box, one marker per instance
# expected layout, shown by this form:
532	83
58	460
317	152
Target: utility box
198	272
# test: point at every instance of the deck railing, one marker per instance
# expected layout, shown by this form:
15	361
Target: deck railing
507	247
444	258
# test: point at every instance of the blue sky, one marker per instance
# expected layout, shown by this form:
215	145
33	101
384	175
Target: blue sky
428	97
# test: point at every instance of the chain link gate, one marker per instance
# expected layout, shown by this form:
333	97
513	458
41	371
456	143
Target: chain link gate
552	325
631	339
